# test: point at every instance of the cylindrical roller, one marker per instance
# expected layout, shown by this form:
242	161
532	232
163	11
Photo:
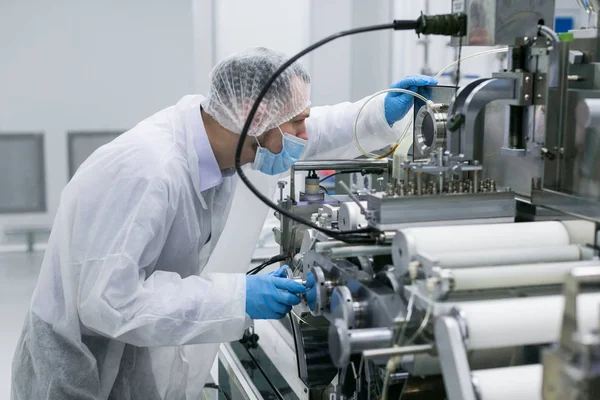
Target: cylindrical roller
581	232
344	342
443	239
356	251
506	276
350	216
523	321
466	259
514	383
426	364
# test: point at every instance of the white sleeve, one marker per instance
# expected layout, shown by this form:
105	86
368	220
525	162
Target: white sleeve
331	135
122	297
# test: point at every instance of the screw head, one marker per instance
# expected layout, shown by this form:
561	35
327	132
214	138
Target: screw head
526	97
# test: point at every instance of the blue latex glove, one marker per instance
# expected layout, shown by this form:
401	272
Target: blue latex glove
271	296
311	291
397	105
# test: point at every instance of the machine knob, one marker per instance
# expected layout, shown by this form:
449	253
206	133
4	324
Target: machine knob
318	296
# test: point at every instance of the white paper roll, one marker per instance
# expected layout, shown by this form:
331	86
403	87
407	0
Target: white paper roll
514	383
506	276
523	321
443	239
479	258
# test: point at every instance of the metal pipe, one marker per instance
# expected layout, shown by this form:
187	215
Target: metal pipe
396	351
293	184
549	33
365	339
317	165
322	247
354	251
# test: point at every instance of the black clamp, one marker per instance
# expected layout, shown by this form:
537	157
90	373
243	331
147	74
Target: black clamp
250	339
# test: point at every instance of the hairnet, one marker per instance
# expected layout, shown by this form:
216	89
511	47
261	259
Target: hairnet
237	81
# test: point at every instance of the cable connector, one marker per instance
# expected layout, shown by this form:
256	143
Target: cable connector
445	25
413	269
434	106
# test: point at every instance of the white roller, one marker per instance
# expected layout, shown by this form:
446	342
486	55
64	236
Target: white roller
514	383
581	232
506	276
523	321
466	259
443	239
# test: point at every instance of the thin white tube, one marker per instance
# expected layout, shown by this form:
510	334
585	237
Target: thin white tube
439	74
514	383
507	276
523	321
443	239
478	258
398	90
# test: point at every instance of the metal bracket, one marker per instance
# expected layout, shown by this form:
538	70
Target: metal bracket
453	359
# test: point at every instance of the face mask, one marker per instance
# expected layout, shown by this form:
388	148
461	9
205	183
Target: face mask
274	164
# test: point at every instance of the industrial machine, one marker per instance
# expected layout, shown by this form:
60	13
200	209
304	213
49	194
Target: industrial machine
483	277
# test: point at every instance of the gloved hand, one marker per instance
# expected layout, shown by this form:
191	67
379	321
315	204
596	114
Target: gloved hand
271	296
311	291
397	104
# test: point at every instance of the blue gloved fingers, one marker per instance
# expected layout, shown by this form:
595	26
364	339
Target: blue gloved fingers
311	297
310	280
276	306
289	285
289	299
280	272
415	80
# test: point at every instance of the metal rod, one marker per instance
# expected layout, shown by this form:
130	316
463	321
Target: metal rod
293	184
341	164
354	251
353	197
321	247
397	351
419	183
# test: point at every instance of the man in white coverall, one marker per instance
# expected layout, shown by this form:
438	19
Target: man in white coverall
119	291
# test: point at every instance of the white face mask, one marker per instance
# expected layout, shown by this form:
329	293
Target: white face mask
274	164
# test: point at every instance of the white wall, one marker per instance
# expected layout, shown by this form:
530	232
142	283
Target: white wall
74	65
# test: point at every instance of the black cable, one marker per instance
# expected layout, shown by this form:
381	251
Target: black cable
458	65
270	261
348	236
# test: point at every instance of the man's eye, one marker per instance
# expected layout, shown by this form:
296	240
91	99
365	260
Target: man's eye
299	121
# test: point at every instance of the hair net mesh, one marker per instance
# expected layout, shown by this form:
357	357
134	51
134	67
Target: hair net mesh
237	81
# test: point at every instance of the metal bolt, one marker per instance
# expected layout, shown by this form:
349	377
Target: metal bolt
539	96
527	79
526	97
540	78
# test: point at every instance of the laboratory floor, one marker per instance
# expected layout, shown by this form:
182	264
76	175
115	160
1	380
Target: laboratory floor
18	275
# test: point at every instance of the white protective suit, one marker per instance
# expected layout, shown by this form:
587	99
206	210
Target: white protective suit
119	291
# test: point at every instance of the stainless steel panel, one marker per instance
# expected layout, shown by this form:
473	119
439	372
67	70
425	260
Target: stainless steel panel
511	172
395	210
501	22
